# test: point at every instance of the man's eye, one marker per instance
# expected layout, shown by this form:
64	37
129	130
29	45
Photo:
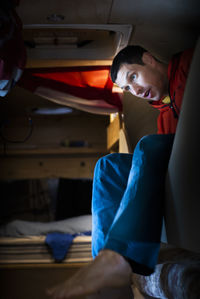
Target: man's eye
127	88
133	77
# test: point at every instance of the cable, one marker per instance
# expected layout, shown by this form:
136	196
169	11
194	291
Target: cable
7	140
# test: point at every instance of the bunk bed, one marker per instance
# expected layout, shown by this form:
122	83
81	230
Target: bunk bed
26	256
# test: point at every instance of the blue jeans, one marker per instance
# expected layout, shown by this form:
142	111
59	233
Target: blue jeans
127	203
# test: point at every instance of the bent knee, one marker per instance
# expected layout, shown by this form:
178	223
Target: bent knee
155	142
110	158
105	162
113	161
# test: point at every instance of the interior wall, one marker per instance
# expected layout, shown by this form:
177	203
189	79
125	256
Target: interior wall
58	146
32	281
140	118
55	131
163	27
74	11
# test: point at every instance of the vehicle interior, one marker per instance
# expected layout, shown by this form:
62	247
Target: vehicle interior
51	136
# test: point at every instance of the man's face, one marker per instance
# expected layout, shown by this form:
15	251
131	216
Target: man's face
148	81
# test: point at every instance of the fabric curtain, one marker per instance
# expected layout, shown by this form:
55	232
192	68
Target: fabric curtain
87	88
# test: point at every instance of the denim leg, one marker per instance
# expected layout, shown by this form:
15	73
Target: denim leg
109	183
136	229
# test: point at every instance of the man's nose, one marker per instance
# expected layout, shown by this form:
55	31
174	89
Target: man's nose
136	90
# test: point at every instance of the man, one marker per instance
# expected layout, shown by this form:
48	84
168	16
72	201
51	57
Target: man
136	70
127	189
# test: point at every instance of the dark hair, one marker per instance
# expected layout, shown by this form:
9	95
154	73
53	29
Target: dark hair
130	54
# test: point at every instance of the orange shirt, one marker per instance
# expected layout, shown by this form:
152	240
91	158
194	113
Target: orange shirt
177	73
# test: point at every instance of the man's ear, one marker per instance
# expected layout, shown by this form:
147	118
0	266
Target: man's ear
148	59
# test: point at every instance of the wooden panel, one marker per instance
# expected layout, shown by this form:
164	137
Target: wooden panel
113	133
31	63
51	151
32	282
159	12
74	11
42	266
140	119
164	27
46	167
52	131
124	146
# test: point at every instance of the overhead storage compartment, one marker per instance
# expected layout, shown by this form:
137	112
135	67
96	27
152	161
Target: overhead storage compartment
75	41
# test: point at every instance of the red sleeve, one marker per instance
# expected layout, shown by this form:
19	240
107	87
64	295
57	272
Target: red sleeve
185	62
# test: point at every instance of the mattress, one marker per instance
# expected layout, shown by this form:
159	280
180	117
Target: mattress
33	249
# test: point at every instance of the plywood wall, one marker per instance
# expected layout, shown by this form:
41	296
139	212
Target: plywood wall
139	117
50	146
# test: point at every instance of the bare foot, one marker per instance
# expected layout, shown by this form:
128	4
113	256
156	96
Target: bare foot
109	269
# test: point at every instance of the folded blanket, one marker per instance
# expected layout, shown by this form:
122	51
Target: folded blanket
19	228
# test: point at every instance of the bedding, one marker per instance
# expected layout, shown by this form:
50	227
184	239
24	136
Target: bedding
24	242
19	228
34	250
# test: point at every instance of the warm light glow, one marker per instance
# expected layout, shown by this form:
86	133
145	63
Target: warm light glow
113	116
117	89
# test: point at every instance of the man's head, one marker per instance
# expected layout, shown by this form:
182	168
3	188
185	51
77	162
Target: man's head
135	70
